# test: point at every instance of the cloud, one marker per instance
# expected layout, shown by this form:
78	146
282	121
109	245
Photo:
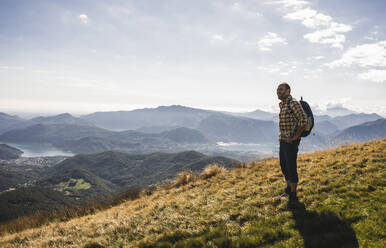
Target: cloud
366	55
238	9
370	56
285	73
236	6
374	75
331	35
11	67
290	3
310	18
337	103
217	37
84	18
269	40
326	31
269	69
319	57
44	71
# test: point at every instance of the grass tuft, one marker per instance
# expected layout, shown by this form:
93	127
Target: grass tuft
212	170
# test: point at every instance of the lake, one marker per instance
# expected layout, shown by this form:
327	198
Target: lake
260	147
39	150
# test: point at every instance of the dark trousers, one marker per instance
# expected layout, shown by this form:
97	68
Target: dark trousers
288	155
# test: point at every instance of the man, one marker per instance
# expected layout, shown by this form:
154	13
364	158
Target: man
292	122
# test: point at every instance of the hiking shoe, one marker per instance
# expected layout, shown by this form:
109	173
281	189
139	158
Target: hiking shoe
287	190
292	197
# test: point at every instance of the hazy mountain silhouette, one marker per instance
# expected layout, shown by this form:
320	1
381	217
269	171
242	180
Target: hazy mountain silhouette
350	120
9	152
64	118
239	129
256	114
156	129
9	122
325	127
174	115
360	133
52	133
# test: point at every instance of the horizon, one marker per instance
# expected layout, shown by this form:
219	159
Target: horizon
83	57
29	115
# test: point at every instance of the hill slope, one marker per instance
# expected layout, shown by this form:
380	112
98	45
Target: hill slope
363	132
139	170
9	152
342	204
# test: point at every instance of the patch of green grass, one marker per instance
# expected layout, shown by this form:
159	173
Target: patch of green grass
75	184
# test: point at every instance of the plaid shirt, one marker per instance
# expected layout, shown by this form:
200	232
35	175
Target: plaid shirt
288	122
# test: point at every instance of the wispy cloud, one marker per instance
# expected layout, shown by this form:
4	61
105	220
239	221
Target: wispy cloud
319	57
310	18
84	18
370	56
331	35
290	3
268	40
270	69
5	67
366	55
44	71
374	75
216	37
326	31
239	9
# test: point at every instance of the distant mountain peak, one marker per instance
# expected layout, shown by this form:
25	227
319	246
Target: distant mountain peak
2	114
65	115
261	111
64	118
59	116
177	108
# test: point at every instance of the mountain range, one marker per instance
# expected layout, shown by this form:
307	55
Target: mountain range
172	129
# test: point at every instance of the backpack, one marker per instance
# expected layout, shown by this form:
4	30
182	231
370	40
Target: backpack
310	117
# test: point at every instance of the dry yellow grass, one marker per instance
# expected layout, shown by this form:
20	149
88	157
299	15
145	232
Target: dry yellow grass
212	170
329	179
184	177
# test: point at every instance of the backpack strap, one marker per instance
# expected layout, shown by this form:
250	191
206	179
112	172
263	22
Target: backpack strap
290	109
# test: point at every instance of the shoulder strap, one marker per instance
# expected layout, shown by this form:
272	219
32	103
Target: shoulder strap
290	108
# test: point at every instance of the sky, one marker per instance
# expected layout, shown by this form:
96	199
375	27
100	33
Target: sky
85	56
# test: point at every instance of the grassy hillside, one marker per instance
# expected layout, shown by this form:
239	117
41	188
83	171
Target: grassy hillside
79	183
140	170
25	201
342	204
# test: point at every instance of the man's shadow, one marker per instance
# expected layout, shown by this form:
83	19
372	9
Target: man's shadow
322	230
